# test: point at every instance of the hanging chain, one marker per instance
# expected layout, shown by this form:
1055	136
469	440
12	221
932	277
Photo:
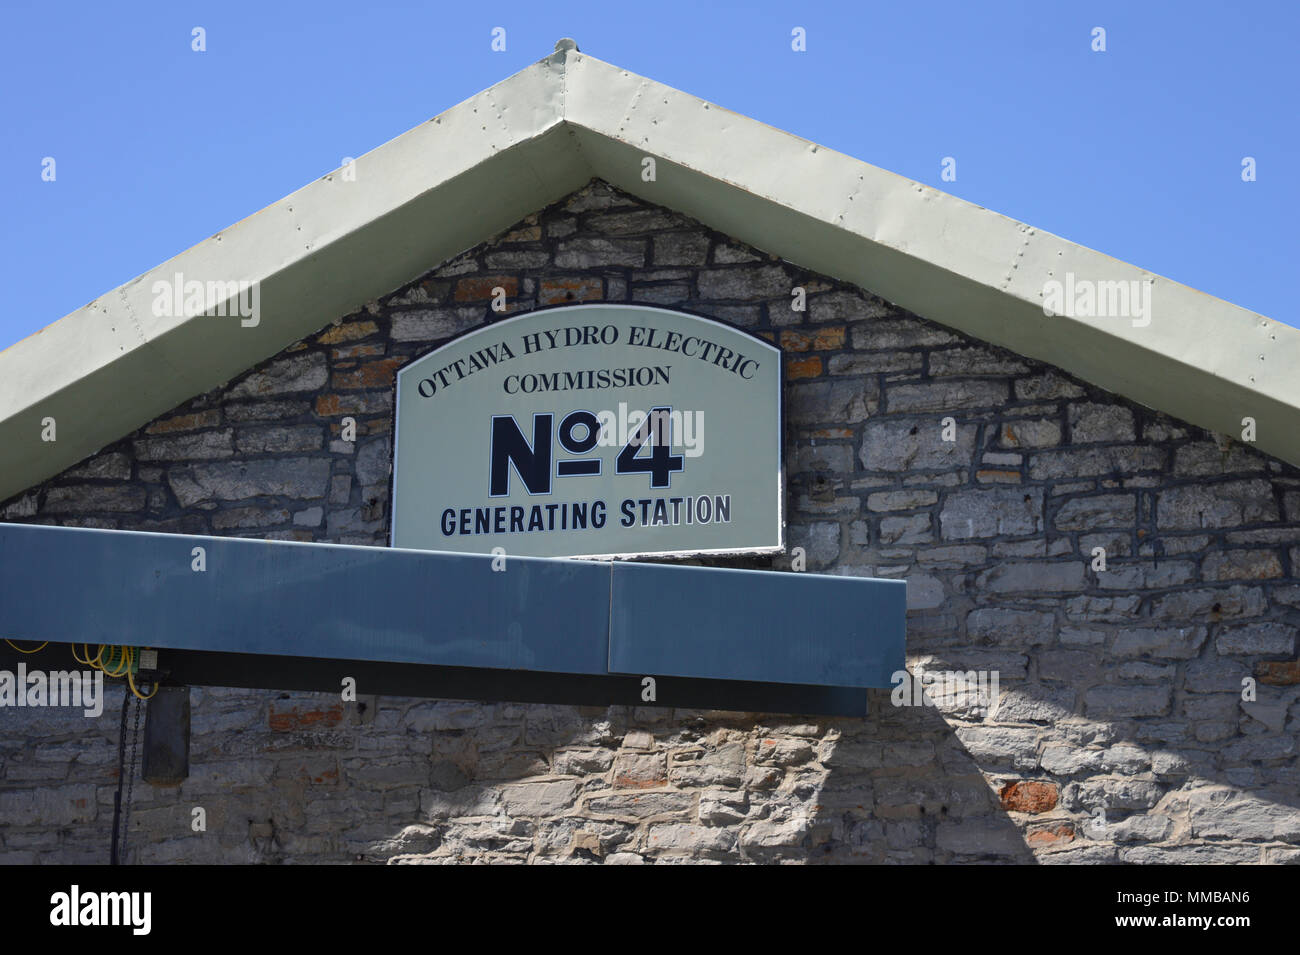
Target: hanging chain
114	856
130	780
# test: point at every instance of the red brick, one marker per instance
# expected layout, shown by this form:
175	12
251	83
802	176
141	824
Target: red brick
807	368
357	351
358	403
347	332
569	290
477	289
998	477
1057	835
823	339
186	422
375	374
528	233
293	718
1028	797
1285	673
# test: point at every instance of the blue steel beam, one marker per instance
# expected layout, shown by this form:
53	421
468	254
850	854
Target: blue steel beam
329	601
756	625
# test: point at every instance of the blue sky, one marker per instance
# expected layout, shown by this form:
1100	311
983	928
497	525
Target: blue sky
1135	151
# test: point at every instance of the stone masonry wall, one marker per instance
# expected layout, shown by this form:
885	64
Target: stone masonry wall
1121	734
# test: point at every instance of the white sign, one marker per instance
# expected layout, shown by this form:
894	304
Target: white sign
591	431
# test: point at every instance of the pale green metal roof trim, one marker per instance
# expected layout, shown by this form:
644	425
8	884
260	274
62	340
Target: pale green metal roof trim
443	187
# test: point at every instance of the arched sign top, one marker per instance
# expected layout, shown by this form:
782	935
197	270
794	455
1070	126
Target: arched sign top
591	431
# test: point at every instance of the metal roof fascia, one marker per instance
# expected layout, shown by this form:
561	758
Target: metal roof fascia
319	253
1199	358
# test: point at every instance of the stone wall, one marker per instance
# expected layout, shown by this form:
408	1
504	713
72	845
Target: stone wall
1121	733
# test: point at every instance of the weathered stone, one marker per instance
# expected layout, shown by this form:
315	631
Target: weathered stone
426	325
684	248
1084	462
279	439
1018	627
1172	643
980	836
1001	745
1214	676
1076	667
1127	702
302	478
733	255
641	806
1115	794
1048	386
1033	576
48	806
592	252
1061	760
239	413
347	332
848	400
94	497
1270	713
243	518
1226	814
517	259
1030	433
1139	828
723	807
745	282
924	592
106	467
1205	458
1091	423
901	500
871	363
1235	601
640	771
821	542
1241	565
1219	505
373	462
677	837
23	506
1190	855
539	799
303	372
209	418
906	530
1263	639
775	834
203	445
1090	513
975	361
837	458
1035	704
944	396
992	512
894	446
